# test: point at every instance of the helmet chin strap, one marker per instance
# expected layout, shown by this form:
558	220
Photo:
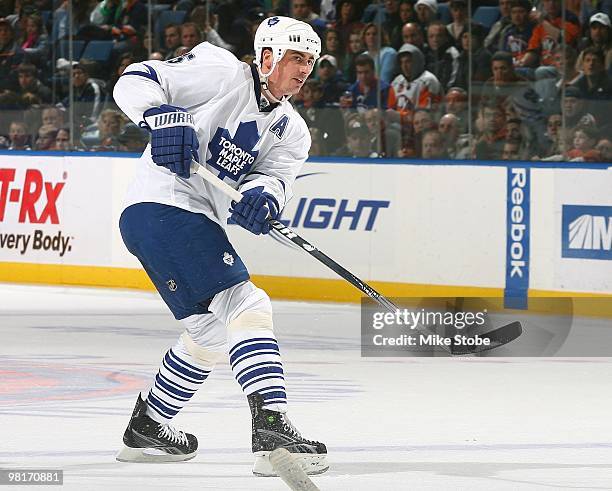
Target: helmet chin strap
265	89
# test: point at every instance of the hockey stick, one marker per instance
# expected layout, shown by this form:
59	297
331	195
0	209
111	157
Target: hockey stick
497	337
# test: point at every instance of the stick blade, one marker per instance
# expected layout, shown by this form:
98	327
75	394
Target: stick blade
289	470
497	337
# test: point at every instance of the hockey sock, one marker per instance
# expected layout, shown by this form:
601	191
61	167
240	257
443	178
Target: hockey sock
178	378
258	367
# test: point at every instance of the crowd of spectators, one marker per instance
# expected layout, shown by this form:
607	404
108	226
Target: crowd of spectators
508	80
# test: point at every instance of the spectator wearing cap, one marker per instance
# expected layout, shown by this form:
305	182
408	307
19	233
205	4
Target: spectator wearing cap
357	140
331	82
406	15
548	33
491	42
321	115
415	87
29	83
384	56
363	93
441	57
88	96
11	55
514	38
459	13
426	10
413	34
599	36
472	48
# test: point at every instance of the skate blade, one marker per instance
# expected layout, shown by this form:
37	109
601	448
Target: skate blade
129	454
312	464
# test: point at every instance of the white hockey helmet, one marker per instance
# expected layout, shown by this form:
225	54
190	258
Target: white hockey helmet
283	33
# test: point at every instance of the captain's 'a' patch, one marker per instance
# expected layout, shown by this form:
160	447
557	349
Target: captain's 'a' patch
279	127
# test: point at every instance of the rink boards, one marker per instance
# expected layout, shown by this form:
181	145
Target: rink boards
411	228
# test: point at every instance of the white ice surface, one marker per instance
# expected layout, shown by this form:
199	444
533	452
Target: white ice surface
73	361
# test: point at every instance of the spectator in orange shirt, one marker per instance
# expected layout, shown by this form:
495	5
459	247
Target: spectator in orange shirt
548	34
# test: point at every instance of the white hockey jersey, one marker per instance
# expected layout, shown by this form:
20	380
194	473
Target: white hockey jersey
241	143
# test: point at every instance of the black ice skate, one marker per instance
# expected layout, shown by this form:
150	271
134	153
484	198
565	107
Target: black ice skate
272	430
146	440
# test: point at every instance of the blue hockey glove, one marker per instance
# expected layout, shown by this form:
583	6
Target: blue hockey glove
174	141
253	210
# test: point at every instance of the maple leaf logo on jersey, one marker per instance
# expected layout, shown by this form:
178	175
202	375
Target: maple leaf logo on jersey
233	157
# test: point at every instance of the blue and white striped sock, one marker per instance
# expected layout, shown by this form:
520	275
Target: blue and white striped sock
258	367
178	378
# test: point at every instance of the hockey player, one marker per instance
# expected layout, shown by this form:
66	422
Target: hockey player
236	120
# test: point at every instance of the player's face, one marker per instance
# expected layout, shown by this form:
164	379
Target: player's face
290	73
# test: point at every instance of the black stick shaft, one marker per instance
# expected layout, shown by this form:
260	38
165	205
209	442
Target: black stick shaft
333	265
